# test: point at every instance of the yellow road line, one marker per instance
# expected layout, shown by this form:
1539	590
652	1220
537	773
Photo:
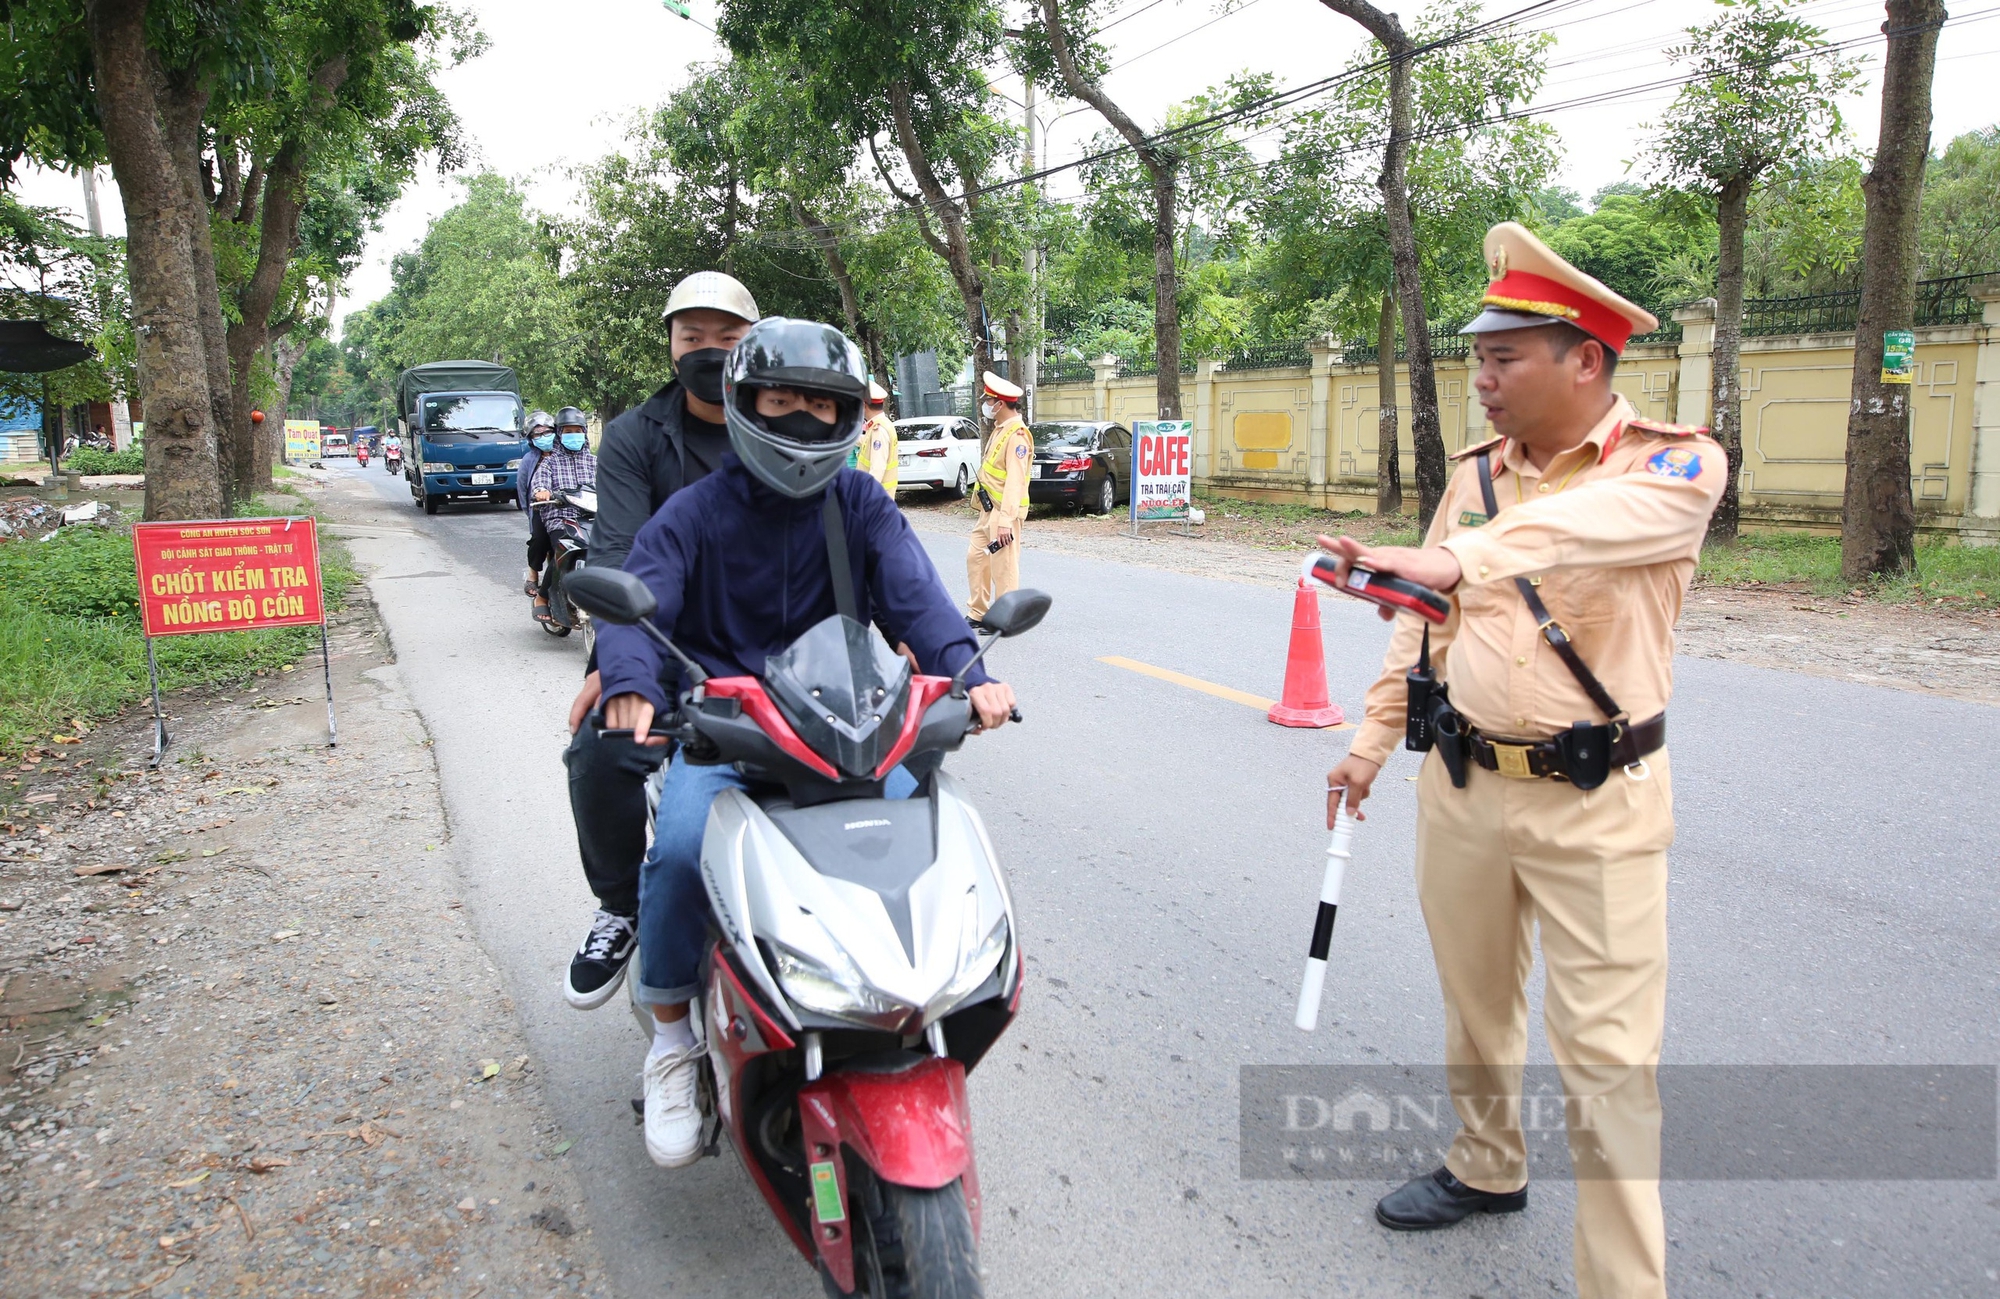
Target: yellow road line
1233	695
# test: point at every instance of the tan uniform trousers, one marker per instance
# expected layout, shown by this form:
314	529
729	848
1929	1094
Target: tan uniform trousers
991	576
1494	860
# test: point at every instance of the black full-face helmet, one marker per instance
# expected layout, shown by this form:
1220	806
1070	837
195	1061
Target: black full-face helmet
797	455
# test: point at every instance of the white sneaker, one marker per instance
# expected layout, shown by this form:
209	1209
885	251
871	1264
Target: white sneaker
673	1117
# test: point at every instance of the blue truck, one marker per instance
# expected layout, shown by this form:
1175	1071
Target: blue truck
461	427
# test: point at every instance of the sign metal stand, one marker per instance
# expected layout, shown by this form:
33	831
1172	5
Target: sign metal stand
159	715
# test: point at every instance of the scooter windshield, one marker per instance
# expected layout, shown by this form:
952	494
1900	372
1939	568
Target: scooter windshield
844	691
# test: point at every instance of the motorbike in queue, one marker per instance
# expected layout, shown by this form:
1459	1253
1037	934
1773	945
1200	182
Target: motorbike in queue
392	460
361	455
862	954
569	548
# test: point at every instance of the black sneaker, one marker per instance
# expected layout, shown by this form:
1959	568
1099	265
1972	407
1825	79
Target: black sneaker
599	965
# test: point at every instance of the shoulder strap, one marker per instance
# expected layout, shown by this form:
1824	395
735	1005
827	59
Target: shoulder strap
836	554
1552	631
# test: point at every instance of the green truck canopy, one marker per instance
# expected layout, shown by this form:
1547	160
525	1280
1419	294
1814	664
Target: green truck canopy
452	376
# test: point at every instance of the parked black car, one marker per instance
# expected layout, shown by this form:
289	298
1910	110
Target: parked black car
1085	463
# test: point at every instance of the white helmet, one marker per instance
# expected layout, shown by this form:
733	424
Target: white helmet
713	291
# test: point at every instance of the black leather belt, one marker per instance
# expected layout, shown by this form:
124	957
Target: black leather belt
1538	759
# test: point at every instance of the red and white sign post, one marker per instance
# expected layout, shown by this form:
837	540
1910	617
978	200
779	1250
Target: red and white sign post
208	575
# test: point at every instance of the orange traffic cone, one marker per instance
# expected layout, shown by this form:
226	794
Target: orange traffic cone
1305	702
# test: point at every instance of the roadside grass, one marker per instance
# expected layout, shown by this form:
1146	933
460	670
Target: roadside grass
1964	577
71	648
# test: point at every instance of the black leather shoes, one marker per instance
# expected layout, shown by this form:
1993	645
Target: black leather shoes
1438	1200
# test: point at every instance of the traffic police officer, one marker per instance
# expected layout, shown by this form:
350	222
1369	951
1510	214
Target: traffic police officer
993	560
1567	544
878	439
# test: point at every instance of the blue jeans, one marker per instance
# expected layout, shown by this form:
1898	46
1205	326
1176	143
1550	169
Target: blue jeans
673	901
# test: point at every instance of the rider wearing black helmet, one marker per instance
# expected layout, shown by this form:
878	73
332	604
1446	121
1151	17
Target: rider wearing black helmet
565	467
740	565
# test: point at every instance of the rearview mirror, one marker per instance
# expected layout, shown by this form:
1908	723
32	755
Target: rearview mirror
610	595
1015	612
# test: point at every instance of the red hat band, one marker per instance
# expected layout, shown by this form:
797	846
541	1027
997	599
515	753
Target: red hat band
1539	295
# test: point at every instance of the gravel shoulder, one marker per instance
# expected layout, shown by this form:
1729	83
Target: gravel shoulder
1907	647
248	1041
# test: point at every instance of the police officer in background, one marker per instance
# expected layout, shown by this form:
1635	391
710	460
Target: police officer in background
878	441
993	560
1567	544
673	438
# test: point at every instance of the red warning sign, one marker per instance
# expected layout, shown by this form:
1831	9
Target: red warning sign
228	575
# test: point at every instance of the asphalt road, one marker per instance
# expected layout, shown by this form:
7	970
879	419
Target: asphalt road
1834	901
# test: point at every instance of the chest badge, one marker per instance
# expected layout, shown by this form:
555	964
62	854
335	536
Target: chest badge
1470	519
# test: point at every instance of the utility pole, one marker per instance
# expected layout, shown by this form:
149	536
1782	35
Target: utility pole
1031	352
93	216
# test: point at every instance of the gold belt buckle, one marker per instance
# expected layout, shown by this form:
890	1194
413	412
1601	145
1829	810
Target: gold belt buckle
1512	760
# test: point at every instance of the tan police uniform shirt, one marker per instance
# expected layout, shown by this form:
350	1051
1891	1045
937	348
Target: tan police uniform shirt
1612	529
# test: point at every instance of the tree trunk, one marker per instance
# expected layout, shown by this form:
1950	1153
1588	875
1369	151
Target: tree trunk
957	246
1162	163
1725	390
1425	430
836	263
284	191
1388	453
182	104
181	470
1879	519
285	354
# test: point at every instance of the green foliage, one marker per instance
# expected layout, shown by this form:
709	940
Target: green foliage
1640	250
1325	263
74	283
483	285
1959	231
89	460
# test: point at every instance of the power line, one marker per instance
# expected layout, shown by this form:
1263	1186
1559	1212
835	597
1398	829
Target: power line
1375	144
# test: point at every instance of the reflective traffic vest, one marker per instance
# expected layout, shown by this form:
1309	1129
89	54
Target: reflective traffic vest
993	469
881	430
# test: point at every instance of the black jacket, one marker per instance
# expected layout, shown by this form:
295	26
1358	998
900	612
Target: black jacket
641	461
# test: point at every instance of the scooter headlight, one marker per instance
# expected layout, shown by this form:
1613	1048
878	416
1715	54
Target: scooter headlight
974	972
839	992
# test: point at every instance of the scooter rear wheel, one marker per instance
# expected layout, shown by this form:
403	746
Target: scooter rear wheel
911	1243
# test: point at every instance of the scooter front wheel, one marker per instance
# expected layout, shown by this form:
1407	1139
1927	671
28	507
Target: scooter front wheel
912	1243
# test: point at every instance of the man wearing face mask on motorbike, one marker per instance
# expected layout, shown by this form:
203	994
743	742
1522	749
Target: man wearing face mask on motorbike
741	566
672	439
541	439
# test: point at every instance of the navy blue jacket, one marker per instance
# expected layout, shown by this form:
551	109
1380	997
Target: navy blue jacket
524	480
741	572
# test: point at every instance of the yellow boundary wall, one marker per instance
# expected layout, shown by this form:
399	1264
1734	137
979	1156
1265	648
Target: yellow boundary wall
1306	434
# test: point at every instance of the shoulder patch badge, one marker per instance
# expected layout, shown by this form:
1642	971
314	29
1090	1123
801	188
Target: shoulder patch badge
1675	462
1020	448
1470	519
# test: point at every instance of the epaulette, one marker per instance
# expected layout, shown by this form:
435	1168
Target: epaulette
1665	429
1470	452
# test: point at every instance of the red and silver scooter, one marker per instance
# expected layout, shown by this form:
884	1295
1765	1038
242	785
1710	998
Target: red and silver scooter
862	954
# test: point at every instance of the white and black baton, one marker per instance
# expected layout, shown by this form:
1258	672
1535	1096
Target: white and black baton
1329	902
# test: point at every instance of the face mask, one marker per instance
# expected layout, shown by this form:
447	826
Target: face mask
986	409
800	426
700	372
573	441
545	442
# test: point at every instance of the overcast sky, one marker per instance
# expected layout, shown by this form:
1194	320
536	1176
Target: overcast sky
561	83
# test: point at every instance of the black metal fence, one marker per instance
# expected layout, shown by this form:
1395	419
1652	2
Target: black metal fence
1946	301
1065	370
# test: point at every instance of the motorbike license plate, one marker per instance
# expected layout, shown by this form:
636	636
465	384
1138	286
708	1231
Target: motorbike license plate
482	480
